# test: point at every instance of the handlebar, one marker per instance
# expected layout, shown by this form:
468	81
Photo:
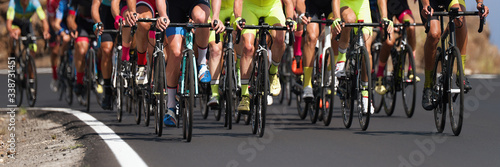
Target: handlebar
266	27
455	13
359	25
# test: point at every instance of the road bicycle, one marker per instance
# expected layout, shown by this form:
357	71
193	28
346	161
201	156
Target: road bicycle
400	74
448	77
259	80
350	88
25	69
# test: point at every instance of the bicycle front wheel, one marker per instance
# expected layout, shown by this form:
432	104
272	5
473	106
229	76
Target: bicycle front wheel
409	82
328	91
187	115
20	83
364	118
456	93
31	81
438	88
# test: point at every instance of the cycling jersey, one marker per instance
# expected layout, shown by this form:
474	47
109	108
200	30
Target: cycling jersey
252	10
375	12
151	4
15	10
52	6
362	10
106	2
108	23
81	9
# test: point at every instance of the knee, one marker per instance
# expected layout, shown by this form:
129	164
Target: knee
279	40
411	30
215	51
311	37
81	48
434	36
200	17
248	48
350	18
143	27
66	38
107	50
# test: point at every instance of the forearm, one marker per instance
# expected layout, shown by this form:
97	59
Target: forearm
216	9
288	8
301	7
45	25
115	8
131	6
161	7
56	25
336	9
9	25
71	22
95	11
382	6
237	8
425	3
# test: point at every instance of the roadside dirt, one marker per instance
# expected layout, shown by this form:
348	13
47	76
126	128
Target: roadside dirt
39	142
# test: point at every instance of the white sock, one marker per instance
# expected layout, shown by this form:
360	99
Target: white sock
202	56
171	97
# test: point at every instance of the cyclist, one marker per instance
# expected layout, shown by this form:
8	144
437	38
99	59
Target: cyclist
19	22
272	10
52	6
350	11
80	24
315	8
119	9
60	26
101	14
433	37
145	42
401	11
214	63
198	11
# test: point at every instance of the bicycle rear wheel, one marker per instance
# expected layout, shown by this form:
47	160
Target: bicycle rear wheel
408	85
438	88
31	81
364	118
456	93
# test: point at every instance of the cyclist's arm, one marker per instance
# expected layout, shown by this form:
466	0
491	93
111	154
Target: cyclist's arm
289	8
216	9
336	9
382	7
59	15
301	7
10	15
42	16
95	11
71	19
425	3
131	6
161	7
237	8
115	8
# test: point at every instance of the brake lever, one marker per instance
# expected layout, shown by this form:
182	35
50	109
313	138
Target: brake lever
217	36
428	25
481	20
238	32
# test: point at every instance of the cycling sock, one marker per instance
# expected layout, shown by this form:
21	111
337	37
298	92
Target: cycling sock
364	92
202	55
54	72
244	90
341	57
79	77
274	68
380	72
125	53
428	79
215	89
307	76
33	47
297	44
107	86
171	92
464	58
141	59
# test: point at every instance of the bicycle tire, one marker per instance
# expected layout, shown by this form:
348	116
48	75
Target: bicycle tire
364	118
301	111
68	75
31	96
203	108
440	110
409	106
89	78
20	83
189	103
159	87
263	87
456	118
230	90
329	82
346	85
390	83
378	100
119	98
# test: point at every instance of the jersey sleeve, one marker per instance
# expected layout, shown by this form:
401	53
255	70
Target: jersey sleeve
39	9
63	4
11	12
72	7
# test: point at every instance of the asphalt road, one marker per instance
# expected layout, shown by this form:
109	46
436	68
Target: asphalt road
289	141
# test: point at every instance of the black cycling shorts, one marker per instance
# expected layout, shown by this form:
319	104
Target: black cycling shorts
84	27
25	26
437	5
396	7
180	11
108	23
315	8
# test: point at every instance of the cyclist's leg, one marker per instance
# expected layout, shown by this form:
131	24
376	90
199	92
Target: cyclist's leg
297	46
81	47
141	37
126	41
385	51
348	16
215	66
54	51
246	60
430	47
462	36
172	71
308	56
276	17
106	51
200	14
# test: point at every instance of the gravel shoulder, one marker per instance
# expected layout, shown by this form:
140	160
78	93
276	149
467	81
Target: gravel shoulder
39	142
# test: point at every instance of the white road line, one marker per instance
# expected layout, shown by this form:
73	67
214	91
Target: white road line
125	155
38	71
483	76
